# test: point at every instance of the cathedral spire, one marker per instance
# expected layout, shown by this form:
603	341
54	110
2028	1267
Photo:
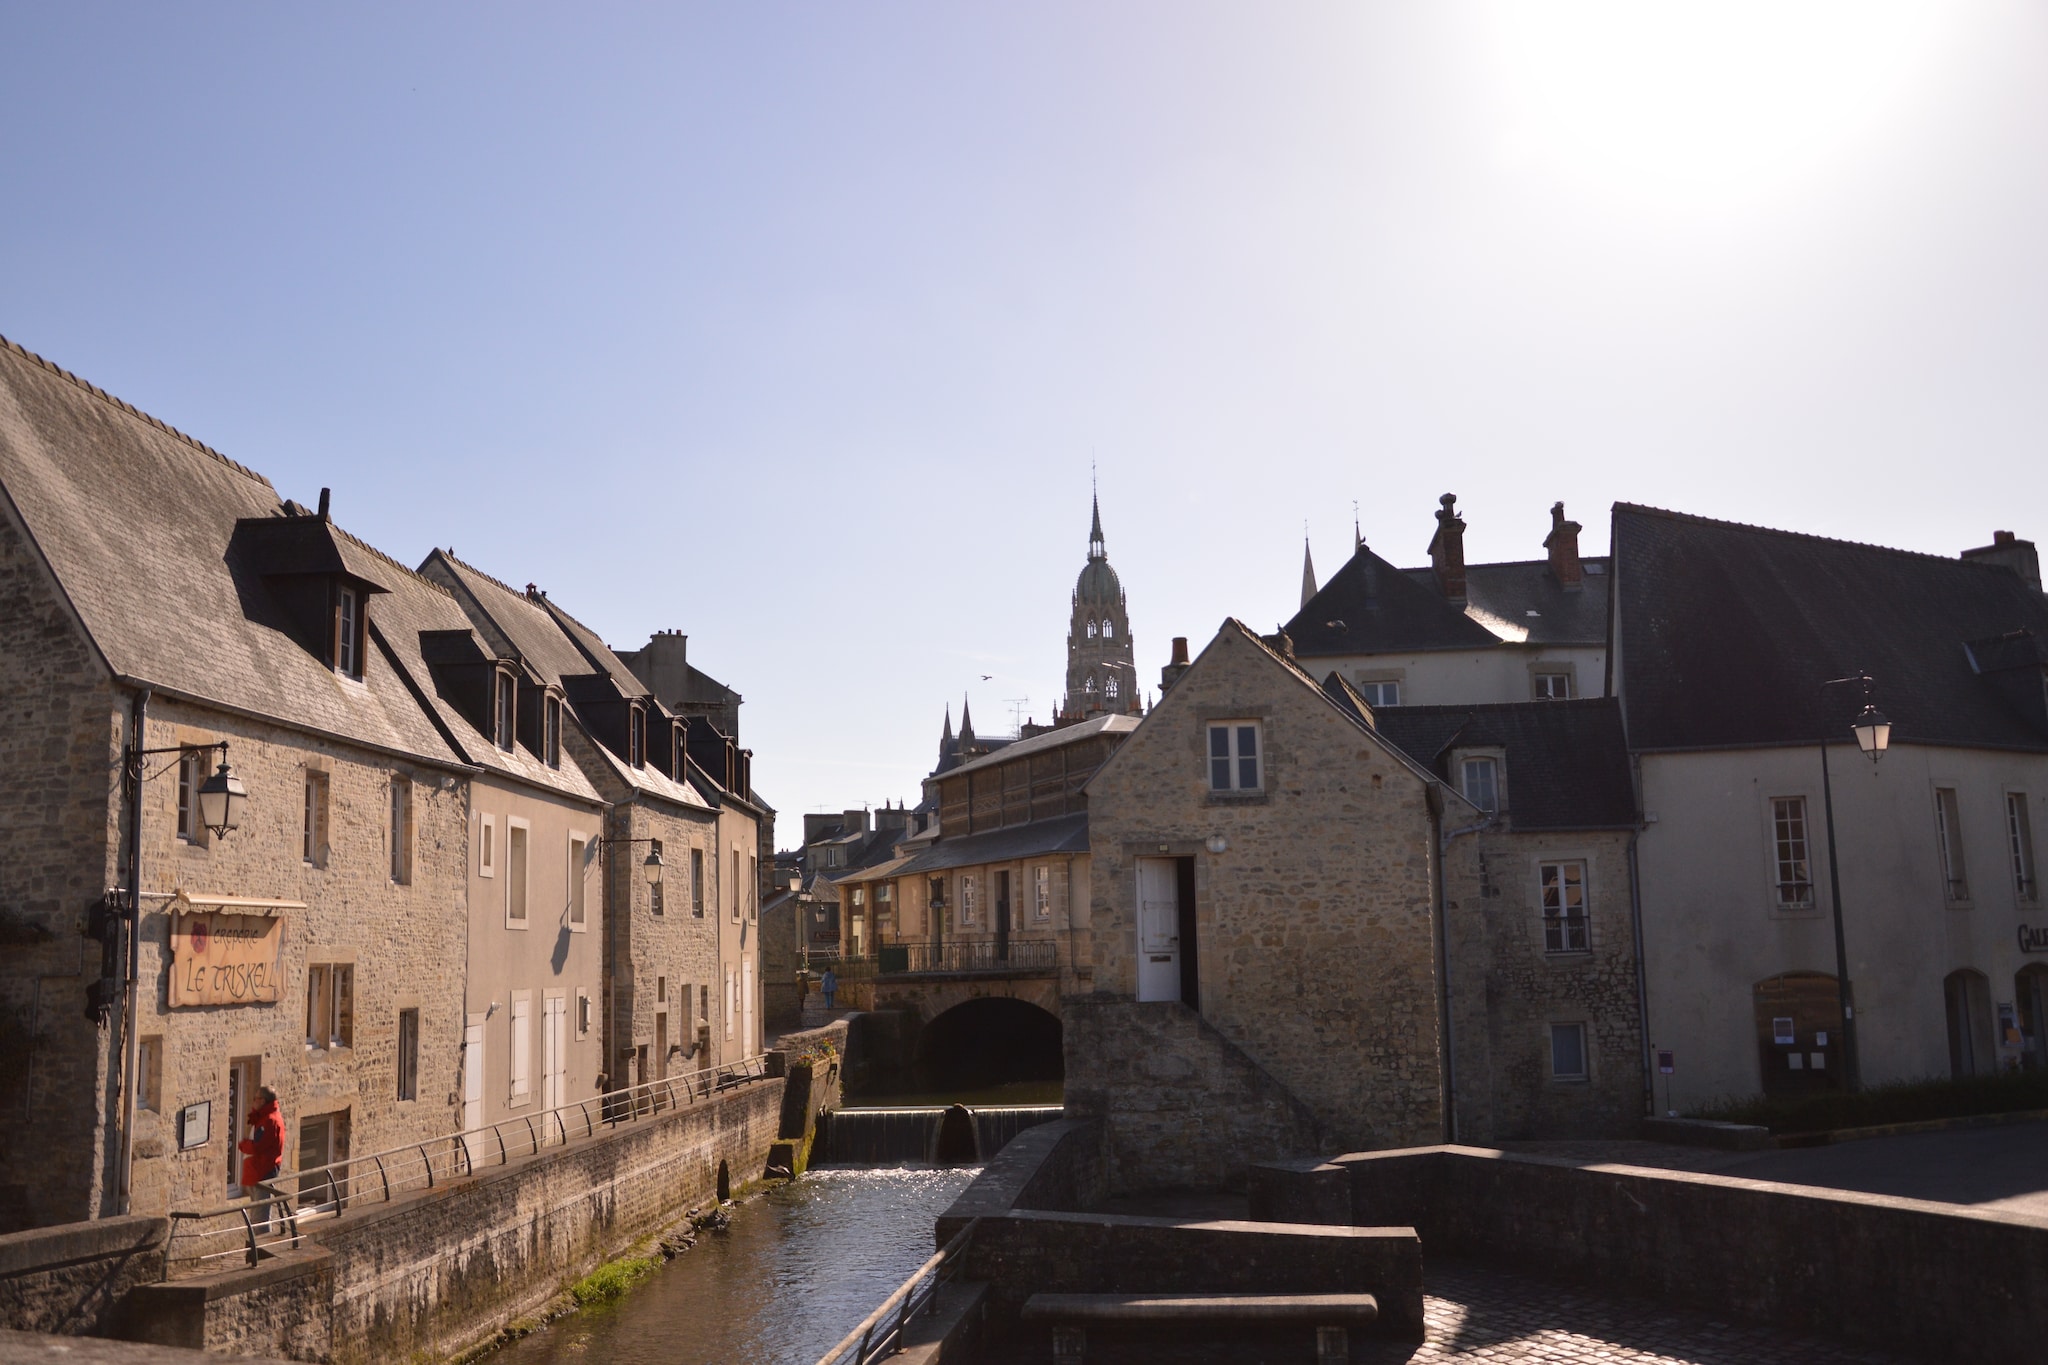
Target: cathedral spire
966	724
1308	571
1096	549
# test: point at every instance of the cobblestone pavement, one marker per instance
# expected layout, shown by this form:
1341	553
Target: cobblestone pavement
1476	1313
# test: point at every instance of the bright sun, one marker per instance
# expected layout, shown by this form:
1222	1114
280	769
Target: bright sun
1699	106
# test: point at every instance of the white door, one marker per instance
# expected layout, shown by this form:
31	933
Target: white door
753	1044
473	1086
553	1059
1158	929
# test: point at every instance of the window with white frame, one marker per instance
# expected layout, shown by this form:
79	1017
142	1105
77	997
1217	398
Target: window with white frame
1110	687
1381	692
1568	1060
401	829
1108	629
1091	630
313	829
516	838
636	737
2019	835
505	711
579	874
1481	783
551	731
1088	685
522	1047
1041	896
1948	831
1552	686
191	773
330	1005
348	657
1236	758
1789	843
1564	908
970	899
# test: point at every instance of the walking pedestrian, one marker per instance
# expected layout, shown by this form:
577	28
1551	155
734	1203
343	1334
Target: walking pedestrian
829	983
263	1151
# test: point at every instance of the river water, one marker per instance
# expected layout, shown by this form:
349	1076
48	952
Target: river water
800	1266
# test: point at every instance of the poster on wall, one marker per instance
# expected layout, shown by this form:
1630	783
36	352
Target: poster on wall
225	959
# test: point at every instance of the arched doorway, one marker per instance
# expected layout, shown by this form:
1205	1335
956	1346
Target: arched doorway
1971	1049
989	1042
1798	1033
2030	998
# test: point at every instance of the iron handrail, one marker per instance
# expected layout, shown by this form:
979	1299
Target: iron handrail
326	1191
912	1297
972	955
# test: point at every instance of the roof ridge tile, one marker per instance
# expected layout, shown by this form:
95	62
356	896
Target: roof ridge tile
1696	519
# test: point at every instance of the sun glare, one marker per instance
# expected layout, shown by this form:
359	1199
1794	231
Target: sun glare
1703	106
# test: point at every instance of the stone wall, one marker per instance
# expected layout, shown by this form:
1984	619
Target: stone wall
1506	989
71	1279
1949	1283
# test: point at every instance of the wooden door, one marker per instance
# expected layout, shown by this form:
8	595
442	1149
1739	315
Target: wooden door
1158	929
473	1087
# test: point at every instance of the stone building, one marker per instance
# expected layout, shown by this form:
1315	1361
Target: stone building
1306	939
1101	672
1458	634
1726	641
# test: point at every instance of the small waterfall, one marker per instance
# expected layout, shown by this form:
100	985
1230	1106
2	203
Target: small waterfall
897	1137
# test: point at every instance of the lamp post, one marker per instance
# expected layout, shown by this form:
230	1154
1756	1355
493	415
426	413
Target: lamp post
1873	735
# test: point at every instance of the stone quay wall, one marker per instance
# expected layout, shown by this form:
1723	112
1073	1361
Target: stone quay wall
436	1272
70	1280
1949	1283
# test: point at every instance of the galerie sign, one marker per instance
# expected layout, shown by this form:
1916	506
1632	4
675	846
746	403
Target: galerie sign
225	959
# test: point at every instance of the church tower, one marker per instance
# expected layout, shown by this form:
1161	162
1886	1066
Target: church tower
1101	675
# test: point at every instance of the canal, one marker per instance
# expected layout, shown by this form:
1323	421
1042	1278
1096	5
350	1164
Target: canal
799	1267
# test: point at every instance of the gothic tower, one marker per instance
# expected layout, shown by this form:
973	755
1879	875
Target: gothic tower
1101	675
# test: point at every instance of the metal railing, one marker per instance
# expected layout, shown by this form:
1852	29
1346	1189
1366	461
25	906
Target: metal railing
881	1332
972	955
200	1238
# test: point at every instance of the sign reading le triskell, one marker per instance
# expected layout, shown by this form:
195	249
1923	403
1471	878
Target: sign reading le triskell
224	951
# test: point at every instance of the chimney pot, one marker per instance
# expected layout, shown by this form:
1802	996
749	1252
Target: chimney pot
1563	544
1447	550
1180	649
325	495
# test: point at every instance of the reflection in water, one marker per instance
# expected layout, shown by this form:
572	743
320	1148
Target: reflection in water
798	1269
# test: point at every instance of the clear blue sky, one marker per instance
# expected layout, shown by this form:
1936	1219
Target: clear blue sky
796	327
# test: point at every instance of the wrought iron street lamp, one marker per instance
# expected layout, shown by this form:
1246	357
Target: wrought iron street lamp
650	866
221	798
1873	733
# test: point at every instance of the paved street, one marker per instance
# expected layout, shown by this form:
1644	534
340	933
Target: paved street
2003	1168
1476	1313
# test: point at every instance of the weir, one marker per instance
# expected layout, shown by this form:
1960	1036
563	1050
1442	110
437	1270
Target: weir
894	1137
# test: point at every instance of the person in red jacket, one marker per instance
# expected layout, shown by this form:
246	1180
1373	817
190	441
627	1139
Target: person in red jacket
263	1149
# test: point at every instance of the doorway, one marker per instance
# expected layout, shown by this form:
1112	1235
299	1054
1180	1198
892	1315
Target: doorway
1167	965
2030	992
1967	996
1003	915
323	1143
554	1018
753	1044
245	1076
472	1084
1799	1033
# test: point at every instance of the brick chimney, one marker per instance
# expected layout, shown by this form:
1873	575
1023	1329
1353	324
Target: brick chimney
1175	666
1563	544
2012	553
1447	550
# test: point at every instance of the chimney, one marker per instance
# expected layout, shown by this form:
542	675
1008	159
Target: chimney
1176	666
1563	544
326	496
2009	552
1447	550
855	820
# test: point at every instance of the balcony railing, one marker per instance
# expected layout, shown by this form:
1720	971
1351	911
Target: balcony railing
971	955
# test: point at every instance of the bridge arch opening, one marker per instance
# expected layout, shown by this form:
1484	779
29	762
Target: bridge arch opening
987	1042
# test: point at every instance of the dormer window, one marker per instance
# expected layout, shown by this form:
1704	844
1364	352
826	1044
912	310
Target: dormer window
682	754
504	727
348	628
551	731
636	737
1481	783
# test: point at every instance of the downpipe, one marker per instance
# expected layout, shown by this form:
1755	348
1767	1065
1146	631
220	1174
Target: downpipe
1443	838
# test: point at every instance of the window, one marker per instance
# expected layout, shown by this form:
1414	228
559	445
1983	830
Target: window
1564	908
1385	692
1795	873
1553	686
1948	830
636	737
697	883
401	828
191	772
1088	686
347	632
2019	834
551	732
487	846
754	888
408	1054
970	910
1568	1052
1482	783
505	727
149	1074
735	886
860	897
582	1013
661	990
313	845
1234	757
515	872
330	1005
681	758
732	1000
1041	904
704	1005
1091	630
522	1046
1108	630
579	858
1110	686
655	900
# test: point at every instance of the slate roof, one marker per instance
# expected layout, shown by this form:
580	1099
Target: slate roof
1567	764
1726	631
1509	592
135	519
1051	739
1061	834
1371	607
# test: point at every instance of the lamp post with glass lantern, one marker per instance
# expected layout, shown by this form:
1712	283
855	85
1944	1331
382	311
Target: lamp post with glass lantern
1873	734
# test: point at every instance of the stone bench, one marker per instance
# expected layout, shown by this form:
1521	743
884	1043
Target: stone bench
1331	1315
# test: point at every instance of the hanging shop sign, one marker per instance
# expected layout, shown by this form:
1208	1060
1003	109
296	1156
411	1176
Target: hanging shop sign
224	950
